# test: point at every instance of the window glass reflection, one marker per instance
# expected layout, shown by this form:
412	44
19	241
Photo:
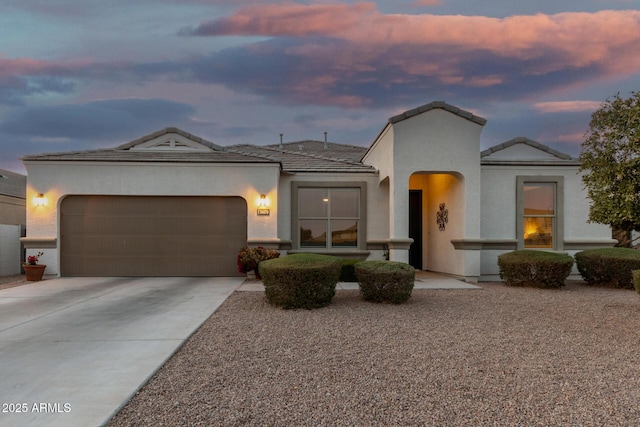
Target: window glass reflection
313	233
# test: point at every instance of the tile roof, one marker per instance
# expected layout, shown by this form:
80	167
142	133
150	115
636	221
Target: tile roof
557	156
125	153
166	131
13	184
328	149
438	104
115	155
301	156
310	156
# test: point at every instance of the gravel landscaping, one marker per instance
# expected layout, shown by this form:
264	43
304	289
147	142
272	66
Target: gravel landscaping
491	356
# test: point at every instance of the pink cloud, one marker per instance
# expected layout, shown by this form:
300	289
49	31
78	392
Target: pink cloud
427	3
10	67
573	138
567	106
579	39
572	39
30	66
290	19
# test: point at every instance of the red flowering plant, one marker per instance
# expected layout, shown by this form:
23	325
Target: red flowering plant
33	259
249	258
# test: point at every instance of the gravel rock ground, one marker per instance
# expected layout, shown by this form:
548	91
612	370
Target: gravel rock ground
497	356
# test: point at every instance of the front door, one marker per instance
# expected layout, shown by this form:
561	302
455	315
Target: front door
415	228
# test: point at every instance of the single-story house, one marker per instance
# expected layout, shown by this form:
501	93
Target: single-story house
173	204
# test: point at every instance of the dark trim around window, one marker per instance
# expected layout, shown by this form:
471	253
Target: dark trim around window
558	230
362	224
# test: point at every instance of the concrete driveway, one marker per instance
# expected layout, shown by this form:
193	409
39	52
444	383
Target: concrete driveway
72	351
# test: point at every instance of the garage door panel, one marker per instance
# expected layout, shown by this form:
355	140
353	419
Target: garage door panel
152	246
151	235
127	226
123	267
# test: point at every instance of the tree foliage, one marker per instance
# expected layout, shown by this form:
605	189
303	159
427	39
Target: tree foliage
610	158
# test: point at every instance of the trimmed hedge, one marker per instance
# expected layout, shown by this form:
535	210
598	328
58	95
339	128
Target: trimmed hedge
534	268
300	280
608	266
348	273
385	281
636	280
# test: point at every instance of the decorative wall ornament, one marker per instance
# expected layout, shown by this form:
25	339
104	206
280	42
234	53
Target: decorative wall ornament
442	217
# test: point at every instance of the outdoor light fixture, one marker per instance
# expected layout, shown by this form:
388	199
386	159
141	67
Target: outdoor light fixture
263	210
39	199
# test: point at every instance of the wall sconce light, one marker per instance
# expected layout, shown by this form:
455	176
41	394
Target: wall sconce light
263	210
39	200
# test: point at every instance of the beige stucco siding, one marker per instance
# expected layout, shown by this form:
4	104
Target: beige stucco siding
443	144
499	214
58	179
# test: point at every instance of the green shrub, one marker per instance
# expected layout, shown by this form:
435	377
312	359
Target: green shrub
608	266
300	280
534	268
636	280
385	281
348	273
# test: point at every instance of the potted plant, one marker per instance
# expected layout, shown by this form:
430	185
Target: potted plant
32	270
249	258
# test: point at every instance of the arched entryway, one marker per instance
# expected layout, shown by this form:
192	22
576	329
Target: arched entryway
436	216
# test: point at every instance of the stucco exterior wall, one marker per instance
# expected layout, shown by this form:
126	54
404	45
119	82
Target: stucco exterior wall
436	141
377	219
380	155
499	210
438	254
441	254
56	180
433	142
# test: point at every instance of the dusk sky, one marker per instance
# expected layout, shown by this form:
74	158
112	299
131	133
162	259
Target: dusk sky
87	74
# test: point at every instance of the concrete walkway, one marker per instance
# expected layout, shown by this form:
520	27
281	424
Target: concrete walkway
73	351
424	280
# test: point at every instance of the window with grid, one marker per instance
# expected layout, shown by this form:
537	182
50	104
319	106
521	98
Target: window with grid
328	218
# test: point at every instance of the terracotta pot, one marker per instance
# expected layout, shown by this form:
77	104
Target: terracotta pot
34	273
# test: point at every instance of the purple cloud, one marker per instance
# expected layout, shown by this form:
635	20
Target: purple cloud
95	120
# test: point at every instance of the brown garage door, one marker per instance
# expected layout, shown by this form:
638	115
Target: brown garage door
151	235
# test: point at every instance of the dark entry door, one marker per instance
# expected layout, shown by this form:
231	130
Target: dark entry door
415	228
